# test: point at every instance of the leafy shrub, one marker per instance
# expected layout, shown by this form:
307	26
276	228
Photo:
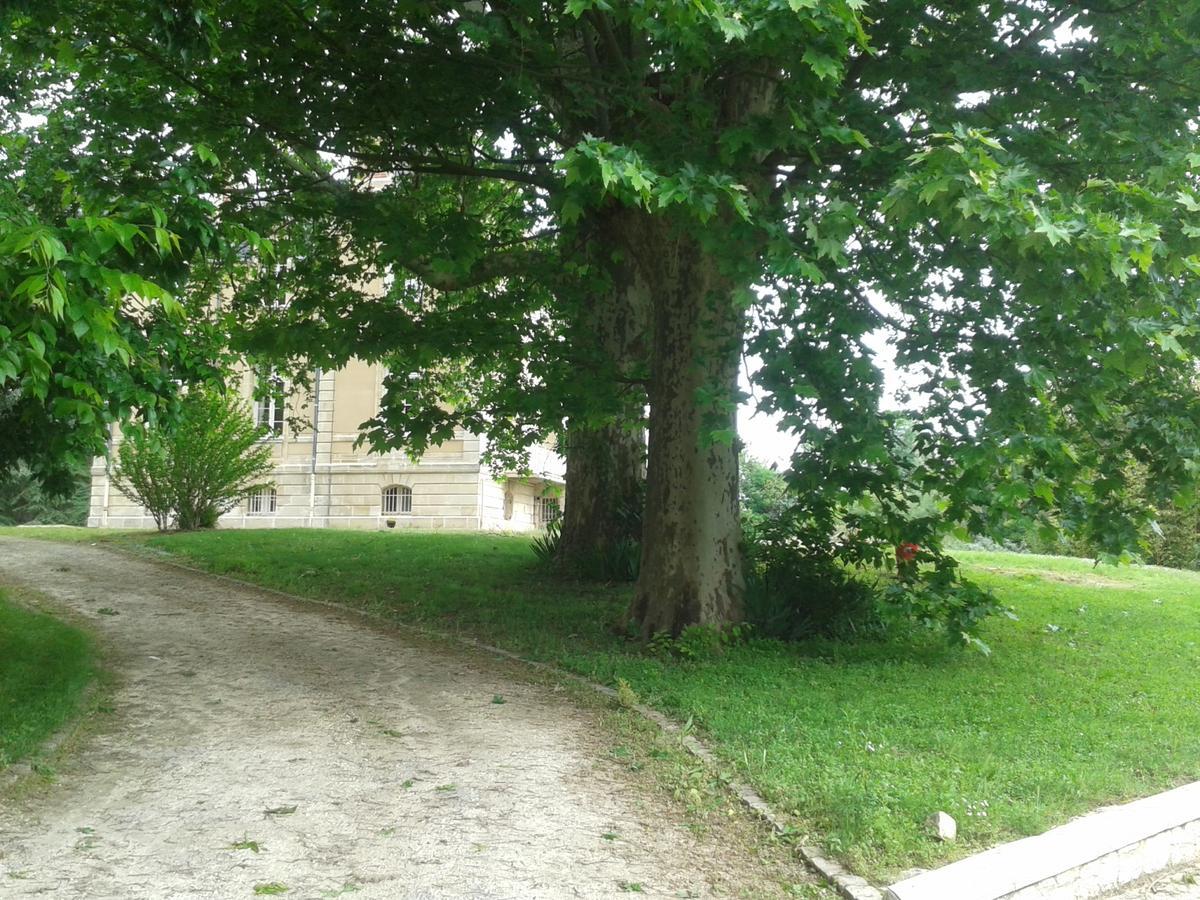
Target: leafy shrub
793	592
620	561
191	470
929	593
800	584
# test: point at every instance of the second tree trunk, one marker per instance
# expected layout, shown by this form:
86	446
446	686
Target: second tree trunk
691	568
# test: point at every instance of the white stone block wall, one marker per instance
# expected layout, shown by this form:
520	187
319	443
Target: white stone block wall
509	503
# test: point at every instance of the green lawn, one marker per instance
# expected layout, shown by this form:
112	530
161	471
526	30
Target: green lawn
44	666
1090	698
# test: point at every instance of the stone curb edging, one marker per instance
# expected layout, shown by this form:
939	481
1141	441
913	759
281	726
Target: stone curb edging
1085	857
848	885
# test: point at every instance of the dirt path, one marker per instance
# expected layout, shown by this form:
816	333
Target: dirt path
355	762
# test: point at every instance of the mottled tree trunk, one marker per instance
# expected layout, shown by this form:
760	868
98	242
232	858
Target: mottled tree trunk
691	568
605	471
606	456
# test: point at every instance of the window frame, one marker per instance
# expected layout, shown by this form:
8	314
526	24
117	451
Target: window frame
255	505
402	495
540	505
270	408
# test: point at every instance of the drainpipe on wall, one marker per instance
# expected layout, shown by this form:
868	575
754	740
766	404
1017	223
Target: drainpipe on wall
108	448
479	478
312	479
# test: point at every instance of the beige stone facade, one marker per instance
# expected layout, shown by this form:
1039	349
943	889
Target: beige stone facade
322	480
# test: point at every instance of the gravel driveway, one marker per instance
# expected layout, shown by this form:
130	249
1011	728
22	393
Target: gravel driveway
1179	883
256	742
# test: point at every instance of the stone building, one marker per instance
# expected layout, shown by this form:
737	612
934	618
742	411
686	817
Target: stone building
321	479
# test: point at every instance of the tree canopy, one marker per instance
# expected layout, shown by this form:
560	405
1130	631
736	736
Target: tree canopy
101	303
589	206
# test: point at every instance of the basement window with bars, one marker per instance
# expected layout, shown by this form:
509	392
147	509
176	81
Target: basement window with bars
545	511
261	502
397	499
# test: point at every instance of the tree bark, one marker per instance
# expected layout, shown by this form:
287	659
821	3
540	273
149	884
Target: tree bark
601	524
606	454
691	568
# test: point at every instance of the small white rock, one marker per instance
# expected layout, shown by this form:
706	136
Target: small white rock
944	826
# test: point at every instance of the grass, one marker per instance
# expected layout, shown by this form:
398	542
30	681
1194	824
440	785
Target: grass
1088	699
45	665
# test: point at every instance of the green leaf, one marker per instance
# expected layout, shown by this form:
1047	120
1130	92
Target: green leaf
38	345
570	211
1054	233
732	28
825	67
207	156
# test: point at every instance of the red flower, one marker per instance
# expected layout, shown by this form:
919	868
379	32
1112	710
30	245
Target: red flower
906	553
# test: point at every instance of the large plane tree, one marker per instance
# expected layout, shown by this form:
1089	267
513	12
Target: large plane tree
1006	188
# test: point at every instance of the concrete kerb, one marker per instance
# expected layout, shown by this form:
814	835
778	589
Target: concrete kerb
849	886
1087	857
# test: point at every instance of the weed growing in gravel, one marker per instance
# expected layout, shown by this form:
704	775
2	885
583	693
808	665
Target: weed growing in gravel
348	888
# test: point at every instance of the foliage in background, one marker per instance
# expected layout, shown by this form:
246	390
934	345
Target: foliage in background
24	500
189	471
764	492
1176	542
1169	535
1172	534
1171	538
